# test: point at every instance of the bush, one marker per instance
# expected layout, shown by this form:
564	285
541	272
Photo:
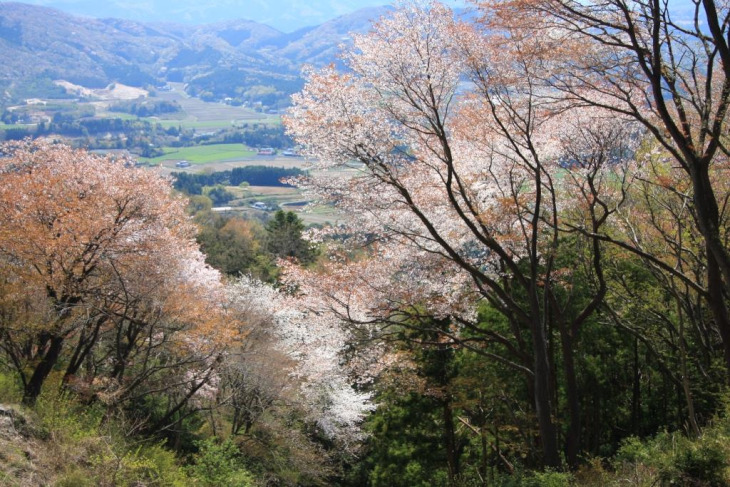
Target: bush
548	478
10	390
700	464
145	465
64	421
86	447
220	464
674	459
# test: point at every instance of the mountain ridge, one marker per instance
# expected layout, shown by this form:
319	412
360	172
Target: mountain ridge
286	16
42	43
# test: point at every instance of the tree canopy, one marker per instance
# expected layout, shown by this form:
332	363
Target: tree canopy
478	192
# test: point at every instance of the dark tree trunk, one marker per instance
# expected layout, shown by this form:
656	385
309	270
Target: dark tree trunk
543	394
718	266
44	367
636	394
83	348
572	437
452	453
718	307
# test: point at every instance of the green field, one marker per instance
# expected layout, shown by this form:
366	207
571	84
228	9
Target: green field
187	123
4	126
199	114
197	124
203	154
119	115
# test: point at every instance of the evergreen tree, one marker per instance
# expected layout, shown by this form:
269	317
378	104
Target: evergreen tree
285	238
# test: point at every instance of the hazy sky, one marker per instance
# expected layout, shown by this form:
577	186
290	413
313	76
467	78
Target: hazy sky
285	15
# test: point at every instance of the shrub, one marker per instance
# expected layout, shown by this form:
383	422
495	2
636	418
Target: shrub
674	459
10	390
86	447
220	464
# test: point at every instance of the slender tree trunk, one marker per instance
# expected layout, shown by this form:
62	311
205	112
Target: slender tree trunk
181	404
572	438
452	453
686	389
484	457
543	394
636	393
708	216
718	261
44	367
83	348
719	309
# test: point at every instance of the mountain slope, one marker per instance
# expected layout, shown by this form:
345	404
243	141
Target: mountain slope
320	45
39	43
285	15
38	40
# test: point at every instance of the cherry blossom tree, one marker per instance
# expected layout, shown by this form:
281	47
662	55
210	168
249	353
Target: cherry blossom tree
104	250
459	147
313	343
667	68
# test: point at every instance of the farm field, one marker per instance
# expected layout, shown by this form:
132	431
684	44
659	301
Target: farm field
167	162
195	114
292	199
271	195
202	154
200	114
288	199
119	115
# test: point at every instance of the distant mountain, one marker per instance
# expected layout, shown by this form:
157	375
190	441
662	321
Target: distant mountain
285	15
224	59
321	44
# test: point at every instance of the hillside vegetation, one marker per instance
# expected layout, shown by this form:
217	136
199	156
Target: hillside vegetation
528	283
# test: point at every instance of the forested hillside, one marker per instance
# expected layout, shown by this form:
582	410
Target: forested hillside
223	60
530	287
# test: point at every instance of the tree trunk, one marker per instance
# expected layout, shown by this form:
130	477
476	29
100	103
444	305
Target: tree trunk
82	350
572	439
484	457
718	262
717	304
636	394
44	367
543	407
452	454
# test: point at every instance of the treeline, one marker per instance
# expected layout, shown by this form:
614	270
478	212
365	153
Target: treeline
56	111
146	108
69	125
260	136
192	184
64	124
41	87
